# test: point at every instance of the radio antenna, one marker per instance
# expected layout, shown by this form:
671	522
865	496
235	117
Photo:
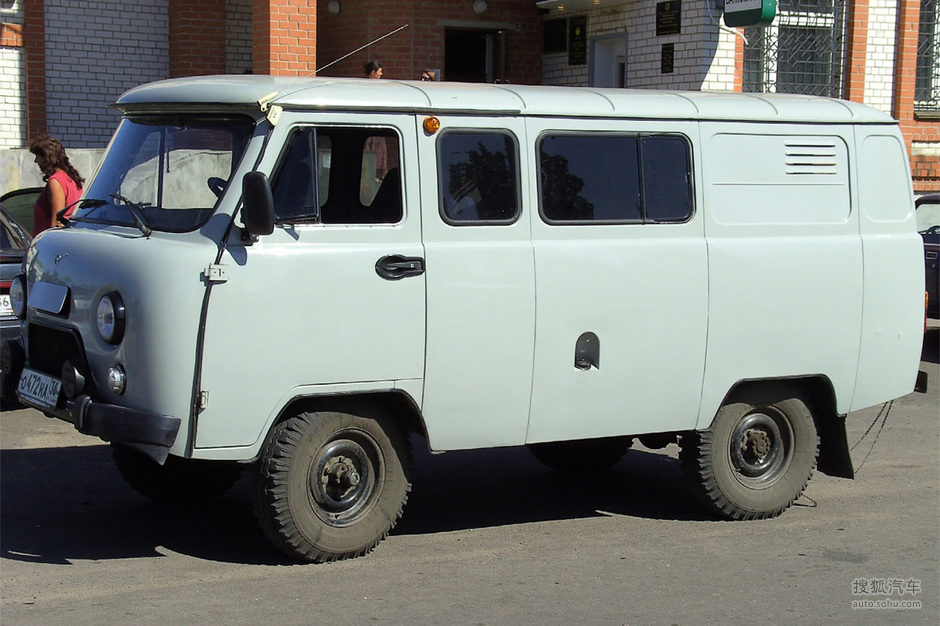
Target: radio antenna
374	41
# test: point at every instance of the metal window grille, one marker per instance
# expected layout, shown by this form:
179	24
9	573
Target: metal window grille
927	85
801	52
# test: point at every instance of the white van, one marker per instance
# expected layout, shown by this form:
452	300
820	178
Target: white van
294	275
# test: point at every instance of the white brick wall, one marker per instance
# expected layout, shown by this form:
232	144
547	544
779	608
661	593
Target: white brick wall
238	36
704	55
12	85
12	98
95	51
880	54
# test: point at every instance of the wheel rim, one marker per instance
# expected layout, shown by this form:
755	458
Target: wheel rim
342	478
761	448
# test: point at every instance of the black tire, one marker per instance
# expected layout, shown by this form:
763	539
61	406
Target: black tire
583	455
331	486
754	460
178	481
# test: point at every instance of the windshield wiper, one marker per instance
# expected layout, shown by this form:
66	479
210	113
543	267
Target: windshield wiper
89	203
137	211
67	221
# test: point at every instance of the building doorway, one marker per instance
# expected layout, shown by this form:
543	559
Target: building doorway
609	61
475	56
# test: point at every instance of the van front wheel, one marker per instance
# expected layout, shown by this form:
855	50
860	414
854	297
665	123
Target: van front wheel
330	486
754	460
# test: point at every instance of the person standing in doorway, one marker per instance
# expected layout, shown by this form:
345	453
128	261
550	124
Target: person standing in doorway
63	183
373	69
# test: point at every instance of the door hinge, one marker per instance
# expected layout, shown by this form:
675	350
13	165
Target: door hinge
203	400
215	273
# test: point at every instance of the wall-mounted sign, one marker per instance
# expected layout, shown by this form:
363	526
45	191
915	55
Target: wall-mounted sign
668	18
577	40
667	63
554	36
750	12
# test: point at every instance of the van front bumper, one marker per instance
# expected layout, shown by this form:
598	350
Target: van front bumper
150	433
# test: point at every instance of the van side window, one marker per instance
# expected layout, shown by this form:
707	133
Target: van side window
667	178
478	175
614	178
339	175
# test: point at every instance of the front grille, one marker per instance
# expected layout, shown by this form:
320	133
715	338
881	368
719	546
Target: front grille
50	347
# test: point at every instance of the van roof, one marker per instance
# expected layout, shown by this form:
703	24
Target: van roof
289	92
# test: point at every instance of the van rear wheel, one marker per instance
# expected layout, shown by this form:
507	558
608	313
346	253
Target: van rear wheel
754	460
330	485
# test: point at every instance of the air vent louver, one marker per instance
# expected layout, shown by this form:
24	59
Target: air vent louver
811	159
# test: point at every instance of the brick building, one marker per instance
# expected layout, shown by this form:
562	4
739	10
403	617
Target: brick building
883	53
496	41
64	61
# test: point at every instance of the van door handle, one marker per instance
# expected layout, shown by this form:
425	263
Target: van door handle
396	266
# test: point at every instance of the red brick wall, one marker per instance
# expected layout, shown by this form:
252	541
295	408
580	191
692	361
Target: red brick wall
856	50
421	45
925	170
197	37
34	33
11	35
285	37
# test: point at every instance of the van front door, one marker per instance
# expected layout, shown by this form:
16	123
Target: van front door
323	304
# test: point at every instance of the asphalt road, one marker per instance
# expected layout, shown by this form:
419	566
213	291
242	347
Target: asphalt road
488	537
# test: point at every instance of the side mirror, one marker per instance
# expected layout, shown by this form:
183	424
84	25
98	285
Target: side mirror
257	204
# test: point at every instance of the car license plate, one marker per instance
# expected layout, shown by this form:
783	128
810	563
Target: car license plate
6	309
39	389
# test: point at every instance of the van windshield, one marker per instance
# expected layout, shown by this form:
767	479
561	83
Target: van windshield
164	173
928	214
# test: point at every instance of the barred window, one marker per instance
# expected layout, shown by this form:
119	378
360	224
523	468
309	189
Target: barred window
927	86
801	52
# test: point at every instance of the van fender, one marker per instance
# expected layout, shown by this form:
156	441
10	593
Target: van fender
817	392
391	402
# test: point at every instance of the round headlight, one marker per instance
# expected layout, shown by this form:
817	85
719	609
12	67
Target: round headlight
18	296
110	318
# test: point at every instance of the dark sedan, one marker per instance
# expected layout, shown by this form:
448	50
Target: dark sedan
14	239
928	224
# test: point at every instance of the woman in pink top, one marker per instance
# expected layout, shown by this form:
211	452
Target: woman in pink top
63	183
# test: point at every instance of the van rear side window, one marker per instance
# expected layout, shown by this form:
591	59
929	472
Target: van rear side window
615	178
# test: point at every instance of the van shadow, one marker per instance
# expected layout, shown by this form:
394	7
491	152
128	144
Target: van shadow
59	505
504	486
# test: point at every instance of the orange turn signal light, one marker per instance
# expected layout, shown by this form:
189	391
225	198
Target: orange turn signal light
431	124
